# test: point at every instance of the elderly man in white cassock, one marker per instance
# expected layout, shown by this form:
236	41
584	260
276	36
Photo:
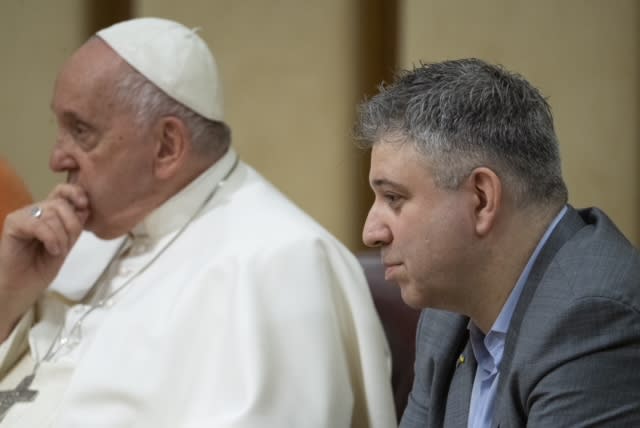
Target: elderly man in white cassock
166	283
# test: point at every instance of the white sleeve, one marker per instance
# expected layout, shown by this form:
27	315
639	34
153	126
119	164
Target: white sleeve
14	346
301	346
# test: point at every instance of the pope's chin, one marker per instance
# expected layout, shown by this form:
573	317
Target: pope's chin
102	230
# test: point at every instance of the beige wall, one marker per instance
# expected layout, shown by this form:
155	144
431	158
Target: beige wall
583	55
35	38
293	71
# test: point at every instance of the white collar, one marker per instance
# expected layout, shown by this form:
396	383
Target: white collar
178	209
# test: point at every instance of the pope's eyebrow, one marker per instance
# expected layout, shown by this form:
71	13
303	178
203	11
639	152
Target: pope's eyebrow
73	117
68	114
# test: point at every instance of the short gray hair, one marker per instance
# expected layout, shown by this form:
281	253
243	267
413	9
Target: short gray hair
149	103
466	113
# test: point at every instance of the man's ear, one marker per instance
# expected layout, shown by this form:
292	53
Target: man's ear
486	187
172	145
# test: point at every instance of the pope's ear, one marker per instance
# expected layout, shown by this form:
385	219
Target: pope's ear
171	136
486	188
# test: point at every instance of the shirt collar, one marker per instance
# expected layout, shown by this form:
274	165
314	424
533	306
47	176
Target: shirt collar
501	323
178	209
493	342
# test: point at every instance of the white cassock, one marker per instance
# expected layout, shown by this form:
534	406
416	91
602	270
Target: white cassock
255	316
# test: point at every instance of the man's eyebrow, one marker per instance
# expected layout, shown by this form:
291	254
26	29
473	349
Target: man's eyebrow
384	182
67	114
70	115
73	116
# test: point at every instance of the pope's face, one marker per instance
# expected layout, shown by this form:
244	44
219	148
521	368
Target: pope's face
423	231
98	144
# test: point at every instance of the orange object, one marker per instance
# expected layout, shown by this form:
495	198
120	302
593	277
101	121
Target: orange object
13	191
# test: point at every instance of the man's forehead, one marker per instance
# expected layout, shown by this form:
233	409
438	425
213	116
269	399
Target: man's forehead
392	151
85	87
396	163
93	59
91	68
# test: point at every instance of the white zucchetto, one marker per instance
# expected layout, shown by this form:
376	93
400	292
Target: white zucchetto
173	57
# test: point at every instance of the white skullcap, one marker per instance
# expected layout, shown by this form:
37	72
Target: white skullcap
173	57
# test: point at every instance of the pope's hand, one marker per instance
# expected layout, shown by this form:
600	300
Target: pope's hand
34	244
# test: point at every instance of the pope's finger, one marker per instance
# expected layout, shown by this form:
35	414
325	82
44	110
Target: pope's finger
38	223
63	216
50	236
73	193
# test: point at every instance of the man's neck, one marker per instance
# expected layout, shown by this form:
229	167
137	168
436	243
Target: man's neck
510	251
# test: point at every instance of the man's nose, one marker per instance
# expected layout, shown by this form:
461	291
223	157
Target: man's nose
375	232
61	160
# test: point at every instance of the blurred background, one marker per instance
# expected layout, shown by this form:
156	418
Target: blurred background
294	71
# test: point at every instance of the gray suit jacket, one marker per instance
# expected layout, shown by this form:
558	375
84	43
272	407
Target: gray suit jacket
572	352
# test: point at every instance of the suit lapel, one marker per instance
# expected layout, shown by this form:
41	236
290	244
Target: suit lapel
440	352
459	396
566	228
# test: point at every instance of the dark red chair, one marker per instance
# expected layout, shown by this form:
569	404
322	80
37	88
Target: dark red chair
399	322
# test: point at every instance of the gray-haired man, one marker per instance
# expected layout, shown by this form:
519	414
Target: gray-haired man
533	312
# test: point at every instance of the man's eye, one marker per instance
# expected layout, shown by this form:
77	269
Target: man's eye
83	134
80	129
391	198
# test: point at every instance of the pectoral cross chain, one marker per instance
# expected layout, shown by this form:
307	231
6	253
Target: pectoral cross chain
20	393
